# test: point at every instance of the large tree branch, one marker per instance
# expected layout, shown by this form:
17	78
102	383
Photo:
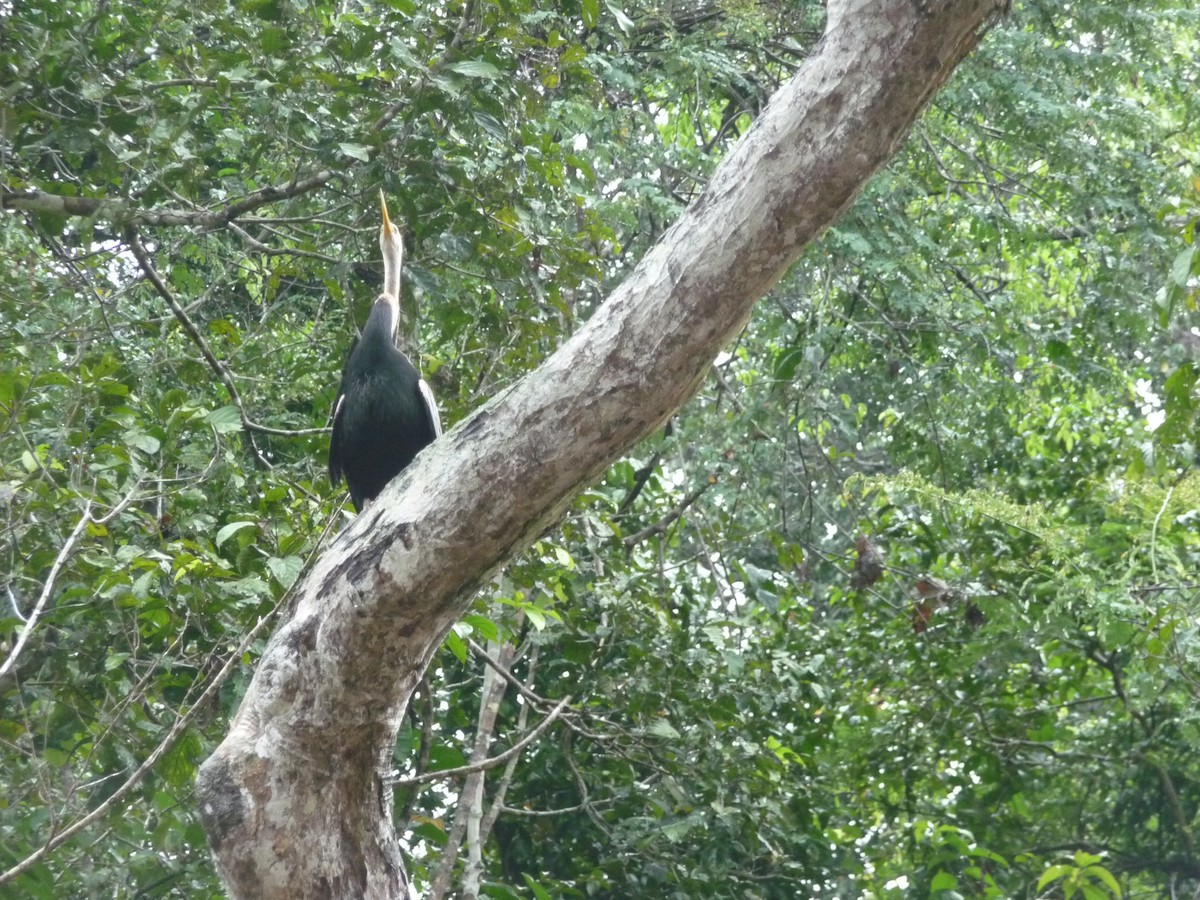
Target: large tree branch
291	800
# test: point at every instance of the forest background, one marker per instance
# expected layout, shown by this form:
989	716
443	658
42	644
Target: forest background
902	604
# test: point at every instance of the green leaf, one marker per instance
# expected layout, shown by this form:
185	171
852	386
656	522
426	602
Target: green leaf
677	830
482	626
1059	352
225	419
787	362
143	584
1181	268
1102	874
623	21
1053	874
662	728
457	646
590	13
496	129
475	68
1169	296
147	443
225	329
536	889
360	152
536	617
273	40
231	529
943	881
285	569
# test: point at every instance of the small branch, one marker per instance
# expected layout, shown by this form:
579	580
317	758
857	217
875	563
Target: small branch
221	370
571	721
119	212
504	672
1154	533
273	194
469	809
501	790
15	603
738	405
143	258
491	763
47	589
665	522
424	749
392	111
57	840
1171	794
266	250
585	795
543	813
479	822
640	478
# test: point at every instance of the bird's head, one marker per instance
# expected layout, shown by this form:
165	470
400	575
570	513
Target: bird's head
392	247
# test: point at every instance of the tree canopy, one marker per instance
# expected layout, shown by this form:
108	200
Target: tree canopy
902	604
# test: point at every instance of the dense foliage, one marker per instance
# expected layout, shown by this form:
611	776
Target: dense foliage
903	604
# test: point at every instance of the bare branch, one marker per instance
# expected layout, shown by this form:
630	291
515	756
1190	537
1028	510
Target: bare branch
259	247
501	790
121	213
47	589
492	762
665	522
58	839
221	370
503	671
469	809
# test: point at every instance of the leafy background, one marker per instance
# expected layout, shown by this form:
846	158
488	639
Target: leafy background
903	604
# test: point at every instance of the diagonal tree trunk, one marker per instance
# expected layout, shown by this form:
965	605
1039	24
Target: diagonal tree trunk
292	799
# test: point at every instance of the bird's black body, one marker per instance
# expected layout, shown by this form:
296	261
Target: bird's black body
384	413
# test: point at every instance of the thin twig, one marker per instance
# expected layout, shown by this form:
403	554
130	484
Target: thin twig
47	589
501	789
490	763
267	250
57	840
662	524
561	811
503	671
151	273
221	370
571	721
1154	533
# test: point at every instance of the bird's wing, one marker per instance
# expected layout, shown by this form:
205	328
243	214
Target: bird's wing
335	441
430	407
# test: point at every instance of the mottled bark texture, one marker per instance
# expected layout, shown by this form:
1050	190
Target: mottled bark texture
292	800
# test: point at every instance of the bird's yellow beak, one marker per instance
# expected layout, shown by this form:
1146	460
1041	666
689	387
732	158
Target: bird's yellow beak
387	222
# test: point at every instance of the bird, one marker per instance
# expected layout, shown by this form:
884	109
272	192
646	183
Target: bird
385	413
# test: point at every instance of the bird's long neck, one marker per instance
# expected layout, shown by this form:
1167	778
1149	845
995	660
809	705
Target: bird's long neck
393	262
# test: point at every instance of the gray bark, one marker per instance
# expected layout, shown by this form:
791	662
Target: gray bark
292	799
